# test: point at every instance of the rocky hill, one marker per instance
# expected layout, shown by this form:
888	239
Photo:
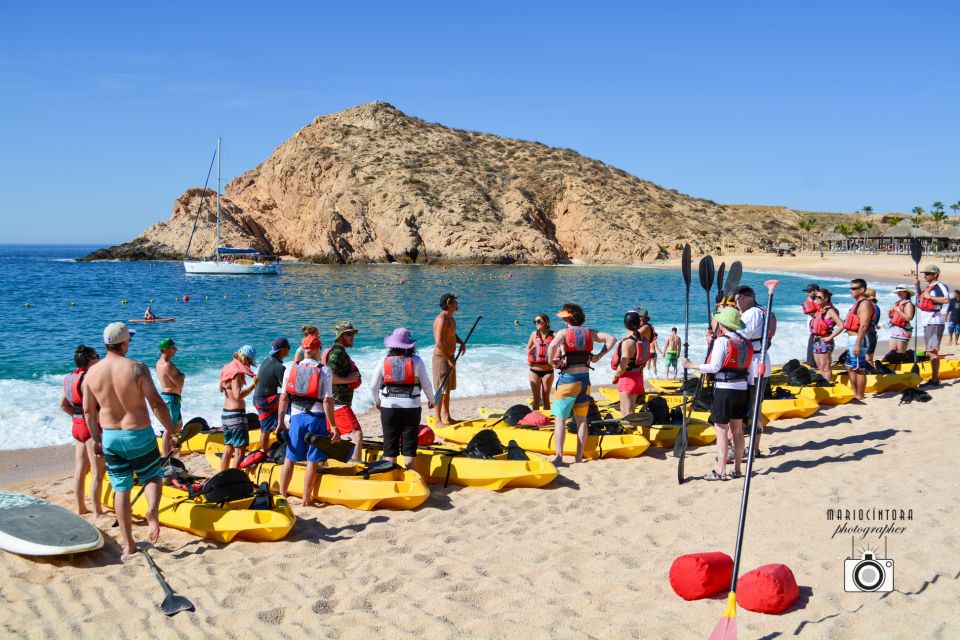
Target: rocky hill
372	184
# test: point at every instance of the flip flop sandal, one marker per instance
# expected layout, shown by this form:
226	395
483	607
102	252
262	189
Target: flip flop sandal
713	476
733	475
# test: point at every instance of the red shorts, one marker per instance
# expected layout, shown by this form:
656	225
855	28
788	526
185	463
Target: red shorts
346	420
631	383
81	433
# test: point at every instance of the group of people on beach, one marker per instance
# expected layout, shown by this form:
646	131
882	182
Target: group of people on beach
312	397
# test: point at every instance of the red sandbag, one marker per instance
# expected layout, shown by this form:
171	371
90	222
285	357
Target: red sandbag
535	419
767	589
701	575
426	436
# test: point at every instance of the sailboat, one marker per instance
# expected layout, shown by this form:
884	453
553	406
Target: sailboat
228	260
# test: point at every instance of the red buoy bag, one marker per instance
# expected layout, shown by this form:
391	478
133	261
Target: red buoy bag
701	575
426	436
767	589
535	419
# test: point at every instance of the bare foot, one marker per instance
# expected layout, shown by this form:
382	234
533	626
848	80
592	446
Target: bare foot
100	517
82	511
128	551
308	503
153	521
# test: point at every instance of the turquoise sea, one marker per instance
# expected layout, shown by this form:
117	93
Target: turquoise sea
70	302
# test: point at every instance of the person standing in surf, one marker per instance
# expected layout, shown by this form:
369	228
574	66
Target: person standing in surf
86	458
171	387
236	433
541	371
753	316
629	357
856	324
346	379
671	353
825	326
930	304
444	362
729	362
266	397
116	394
900	316
809	307
571	351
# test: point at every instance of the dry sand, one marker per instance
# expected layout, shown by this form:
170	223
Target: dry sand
586	557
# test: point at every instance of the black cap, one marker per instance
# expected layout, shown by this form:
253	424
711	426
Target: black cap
744	290
446	298
813	286
278	344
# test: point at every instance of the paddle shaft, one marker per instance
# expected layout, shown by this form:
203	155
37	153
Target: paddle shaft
680	446
463	345
916	251
757	400
156	572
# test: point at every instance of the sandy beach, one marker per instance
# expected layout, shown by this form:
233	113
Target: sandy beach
586	557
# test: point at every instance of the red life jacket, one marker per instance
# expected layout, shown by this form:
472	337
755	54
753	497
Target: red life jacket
897	320
398	371
578	345
852	321
926	304
634	364
304	381
73	390
820	324
736	364
353	367
809	307
538	352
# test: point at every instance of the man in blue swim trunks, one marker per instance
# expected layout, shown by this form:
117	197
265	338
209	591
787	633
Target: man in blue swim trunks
857	323
171	386
571	351
116	394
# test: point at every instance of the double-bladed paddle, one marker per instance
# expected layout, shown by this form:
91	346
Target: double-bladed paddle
916	252
463	345
680	446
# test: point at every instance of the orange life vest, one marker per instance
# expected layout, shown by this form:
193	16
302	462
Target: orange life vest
398	371
852	321
578	345
896	319
926	304
634	364
820	324
304	381
538	352
809	307
736	363
73	390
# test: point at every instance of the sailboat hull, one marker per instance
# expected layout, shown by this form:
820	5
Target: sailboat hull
231	268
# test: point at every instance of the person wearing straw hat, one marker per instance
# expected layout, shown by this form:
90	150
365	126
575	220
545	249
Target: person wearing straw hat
900	317
346	379
400	379
729	362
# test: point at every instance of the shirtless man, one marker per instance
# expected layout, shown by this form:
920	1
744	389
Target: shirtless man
446	339
115	397
671	352
171	387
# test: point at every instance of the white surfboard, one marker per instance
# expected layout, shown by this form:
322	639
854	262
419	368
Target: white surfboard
30	526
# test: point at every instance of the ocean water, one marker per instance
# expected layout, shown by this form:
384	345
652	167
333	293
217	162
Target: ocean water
70	302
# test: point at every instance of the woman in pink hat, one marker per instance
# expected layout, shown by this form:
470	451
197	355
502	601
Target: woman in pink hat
400	379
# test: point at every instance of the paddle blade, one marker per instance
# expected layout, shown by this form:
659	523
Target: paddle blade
685	264
174	604
706	273
720	270
191	429
339	450
733	279
639	419
726	629
916	251
771	285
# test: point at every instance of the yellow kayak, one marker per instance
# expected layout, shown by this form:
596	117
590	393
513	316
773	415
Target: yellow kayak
769	410
883	382
198	443
626	445
212	521
342	484
948	369
438	466
699	432
835	394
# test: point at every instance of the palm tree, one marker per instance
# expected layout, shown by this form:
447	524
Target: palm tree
844	230
937	206
938	217
807	225
956	208
868	209
917	216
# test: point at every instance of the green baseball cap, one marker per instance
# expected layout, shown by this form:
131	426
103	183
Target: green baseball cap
165	344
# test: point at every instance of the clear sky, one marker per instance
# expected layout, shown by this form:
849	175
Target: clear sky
108	112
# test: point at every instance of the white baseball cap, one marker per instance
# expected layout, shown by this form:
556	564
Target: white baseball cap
117	333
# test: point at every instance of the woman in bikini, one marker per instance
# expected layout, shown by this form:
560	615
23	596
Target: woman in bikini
541	371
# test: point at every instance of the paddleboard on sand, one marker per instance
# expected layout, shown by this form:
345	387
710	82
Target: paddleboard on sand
33	527
151	321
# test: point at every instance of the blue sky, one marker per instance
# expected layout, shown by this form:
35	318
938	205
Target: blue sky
108	112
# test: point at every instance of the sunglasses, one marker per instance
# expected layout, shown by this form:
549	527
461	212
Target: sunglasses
819	298
929	273
538	321
855	288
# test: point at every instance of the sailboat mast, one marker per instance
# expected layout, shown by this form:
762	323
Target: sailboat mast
217	246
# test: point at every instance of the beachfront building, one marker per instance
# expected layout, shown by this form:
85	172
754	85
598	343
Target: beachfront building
897	238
